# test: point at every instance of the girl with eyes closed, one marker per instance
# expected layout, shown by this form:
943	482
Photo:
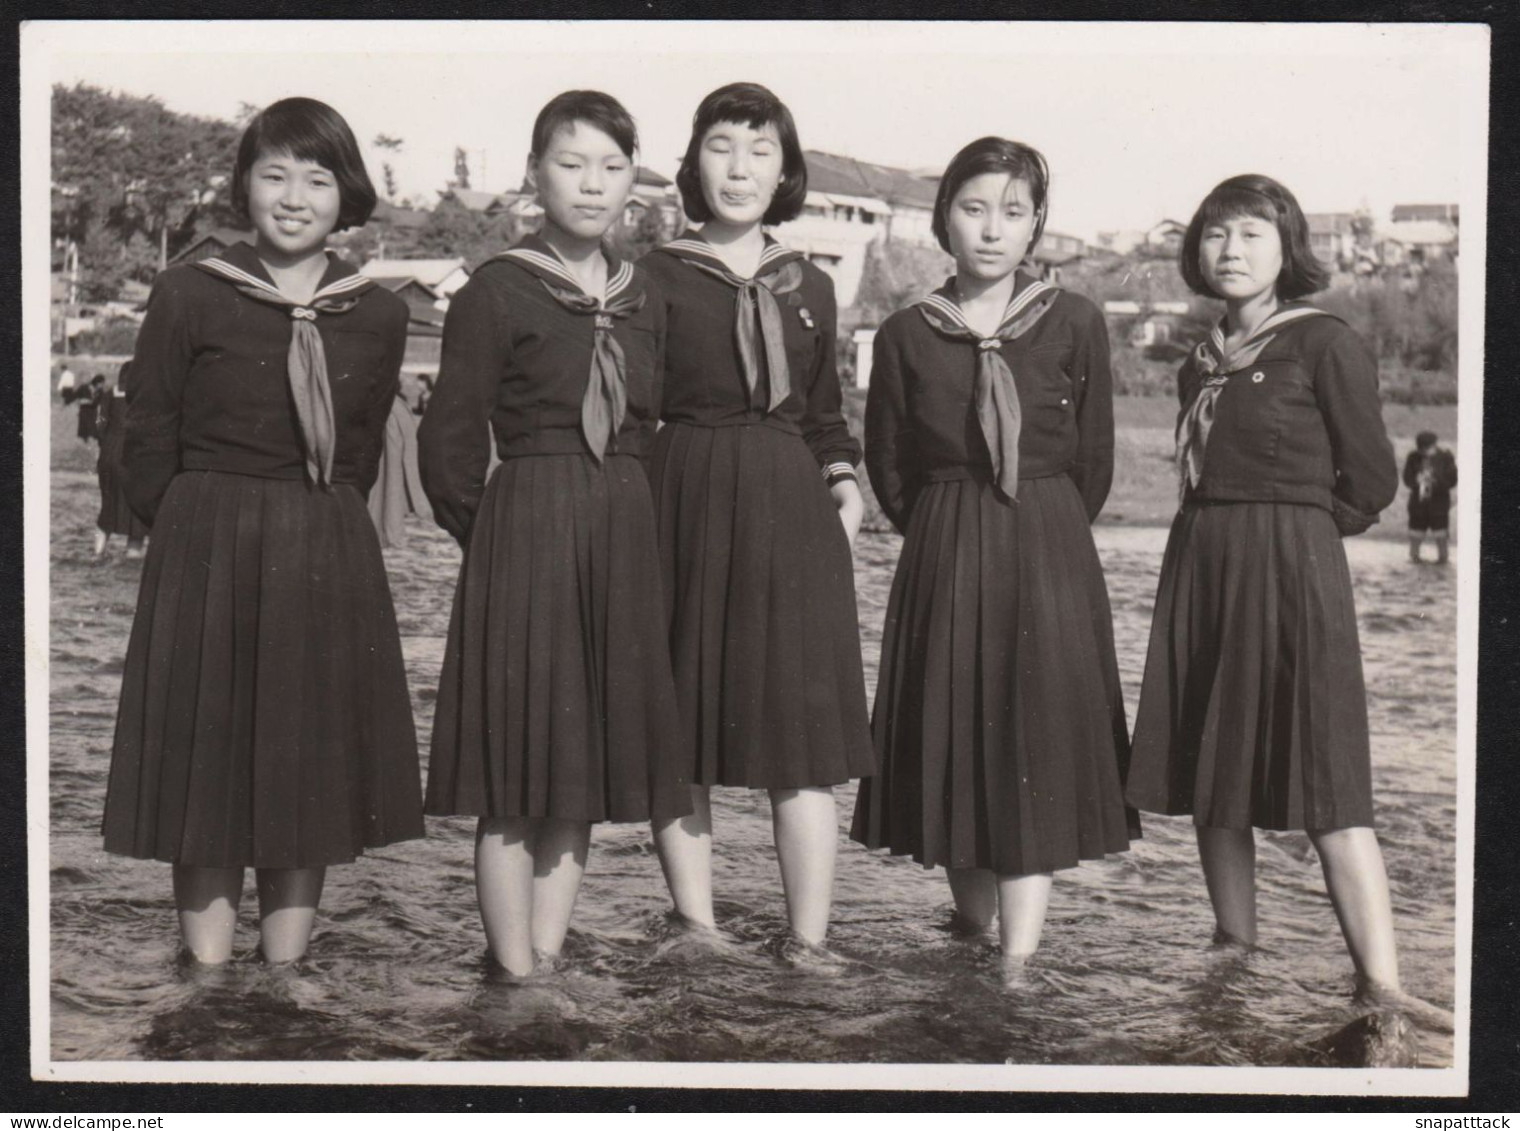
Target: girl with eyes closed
989	439
754	483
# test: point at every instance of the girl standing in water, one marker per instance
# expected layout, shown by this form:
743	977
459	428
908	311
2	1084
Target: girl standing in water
989	439
555	707
758	504
1253	712
264	718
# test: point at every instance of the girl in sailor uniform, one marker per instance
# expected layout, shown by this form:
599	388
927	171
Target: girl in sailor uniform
989	439
754	481
264	718
1252	712
556	707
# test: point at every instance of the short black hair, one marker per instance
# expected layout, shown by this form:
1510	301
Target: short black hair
755	106
313	131
594	108
1425	440
993	155
1252	194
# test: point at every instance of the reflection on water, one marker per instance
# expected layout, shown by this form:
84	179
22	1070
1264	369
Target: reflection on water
1127	973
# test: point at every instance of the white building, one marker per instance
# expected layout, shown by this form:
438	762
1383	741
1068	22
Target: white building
852	204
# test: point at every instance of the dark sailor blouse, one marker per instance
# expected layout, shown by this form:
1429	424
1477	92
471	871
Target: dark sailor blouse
210	392
921	418
513	354
704	383
1302	423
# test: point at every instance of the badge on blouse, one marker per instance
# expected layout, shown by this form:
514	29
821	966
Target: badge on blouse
806	316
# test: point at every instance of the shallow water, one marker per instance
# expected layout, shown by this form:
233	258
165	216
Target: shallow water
1126	973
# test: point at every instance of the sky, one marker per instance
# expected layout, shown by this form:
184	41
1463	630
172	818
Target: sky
1138	121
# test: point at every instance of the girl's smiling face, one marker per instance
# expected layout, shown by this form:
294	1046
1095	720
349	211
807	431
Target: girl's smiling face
741	169
990	222
1241	257
583	180
293	203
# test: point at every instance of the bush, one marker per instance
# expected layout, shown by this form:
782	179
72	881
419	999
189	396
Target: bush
1411	321
897	274
111	337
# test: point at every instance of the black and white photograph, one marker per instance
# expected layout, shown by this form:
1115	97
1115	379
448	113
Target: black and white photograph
760	554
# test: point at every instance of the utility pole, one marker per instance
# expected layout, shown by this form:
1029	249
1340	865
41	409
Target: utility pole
70	261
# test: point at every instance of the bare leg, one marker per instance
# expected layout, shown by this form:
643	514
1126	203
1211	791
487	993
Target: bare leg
976	897
288	900
207	899
1415	542
685	848
1229	868
1441	549
806	829
504	888
559	862
101	538
1022	901
1358	886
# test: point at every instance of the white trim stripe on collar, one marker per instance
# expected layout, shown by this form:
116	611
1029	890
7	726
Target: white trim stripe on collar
1281	318
238	275
556	267
772	251
1016	304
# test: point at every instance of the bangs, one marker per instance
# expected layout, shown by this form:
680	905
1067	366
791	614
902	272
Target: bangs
745	108
292	136
592	107
1233	202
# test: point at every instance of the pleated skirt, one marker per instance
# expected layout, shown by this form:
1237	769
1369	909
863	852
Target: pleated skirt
999	719
759	583
556	697
116	516
264	717
1253	711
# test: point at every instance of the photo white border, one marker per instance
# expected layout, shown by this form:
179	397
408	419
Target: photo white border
43	40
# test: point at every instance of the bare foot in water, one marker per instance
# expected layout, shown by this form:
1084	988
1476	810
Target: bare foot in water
678	934
1380	996
816	958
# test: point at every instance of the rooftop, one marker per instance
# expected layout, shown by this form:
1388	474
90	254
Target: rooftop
1338	223
828	172
476	200
429	272
1446	212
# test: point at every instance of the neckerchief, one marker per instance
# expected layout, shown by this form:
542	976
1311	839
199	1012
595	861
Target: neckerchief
755	307
306	363
997	398
605	402
1215	367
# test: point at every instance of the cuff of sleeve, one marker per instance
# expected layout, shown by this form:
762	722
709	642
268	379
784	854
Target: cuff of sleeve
835	472
1349	520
